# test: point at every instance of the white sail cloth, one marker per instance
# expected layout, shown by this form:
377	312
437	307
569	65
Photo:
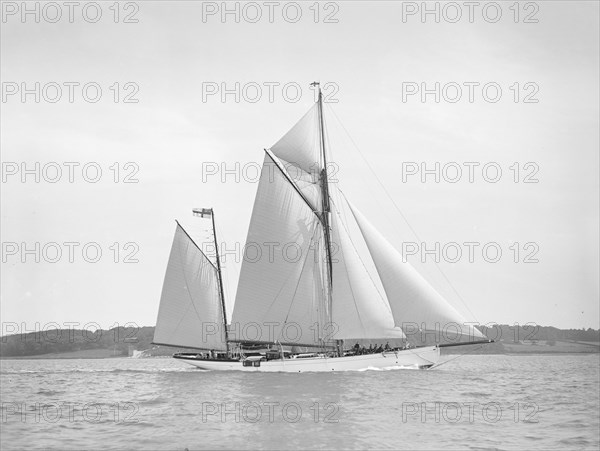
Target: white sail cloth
414	302
359	310
190	313
301	145
284	294
281	295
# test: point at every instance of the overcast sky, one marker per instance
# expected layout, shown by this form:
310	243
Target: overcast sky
366	56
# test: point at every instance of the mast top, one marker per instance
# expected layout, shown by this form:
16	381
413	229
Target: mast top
317	84
202	212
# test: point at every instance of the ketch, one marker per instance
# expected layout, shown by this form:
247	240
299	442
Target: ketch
317	277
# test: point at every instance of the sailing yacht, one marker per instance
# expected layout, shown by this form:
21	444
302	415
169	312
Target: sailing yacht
316	276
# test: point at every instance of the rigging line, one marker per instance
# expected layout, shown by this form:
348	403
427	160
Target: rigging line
181	347
460	355
399	211
413	352
326	141
331	160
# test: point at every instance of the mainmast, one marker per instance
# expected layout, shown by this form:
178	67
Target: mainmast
325	200
210	212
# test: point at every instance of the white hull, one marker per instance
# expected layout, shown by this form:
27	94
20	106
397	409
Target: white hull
423	357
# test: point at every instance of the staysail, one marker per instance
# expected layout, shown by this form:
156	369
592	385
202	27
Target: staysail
359	310
414	302
190	313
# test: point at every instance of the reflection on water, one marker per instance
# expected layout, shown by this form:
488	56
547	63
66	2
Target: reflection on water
474	402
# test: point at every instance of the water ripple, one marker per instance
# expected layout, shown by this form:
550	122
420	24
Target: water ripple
475	402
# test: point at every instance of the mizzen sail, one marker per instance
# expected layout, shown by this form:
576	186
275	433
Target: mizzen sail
190	313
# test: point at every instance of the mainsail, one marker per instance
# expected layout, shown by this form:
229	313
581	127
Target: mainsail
280	295
190	313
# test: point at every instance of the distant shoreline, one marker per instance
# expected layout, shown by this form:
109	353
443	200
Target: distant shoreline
122	342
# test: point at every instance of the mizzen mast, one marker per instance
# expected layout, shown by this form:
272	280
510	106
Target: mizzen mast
209	212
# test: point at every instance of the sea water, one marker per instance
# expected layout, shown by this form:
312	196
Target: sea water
473	402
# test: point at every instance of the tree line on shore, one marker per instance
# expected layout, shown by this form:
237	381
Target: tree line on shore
122	339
